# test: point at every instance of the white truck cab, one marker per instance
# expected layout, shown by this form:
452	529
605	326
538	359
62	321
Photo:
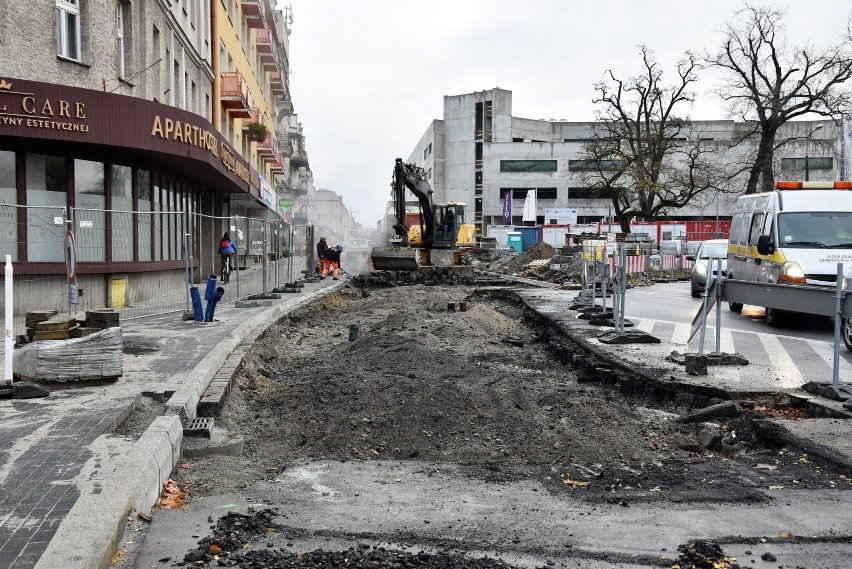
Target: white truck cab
795	234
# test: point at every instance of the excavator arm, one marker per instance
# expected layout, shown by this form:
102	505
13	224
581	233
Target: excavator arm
413	178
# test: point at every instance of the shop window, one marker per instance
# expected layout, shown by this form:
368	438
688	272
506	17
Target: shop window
68	29
122	218
46	201
89	210
8	211
144	206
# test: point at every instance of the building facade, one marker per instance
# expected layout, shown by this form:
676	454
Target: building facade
479	151
120	125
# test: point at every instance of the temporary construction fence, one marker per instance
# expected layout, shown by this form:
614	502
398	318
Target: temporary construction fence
140	263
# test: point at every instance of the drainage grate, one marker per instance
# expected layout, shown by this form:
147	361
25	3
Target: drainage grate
198	427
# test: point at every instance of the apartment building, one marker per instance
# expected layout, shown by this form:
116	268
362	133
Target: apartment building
113	107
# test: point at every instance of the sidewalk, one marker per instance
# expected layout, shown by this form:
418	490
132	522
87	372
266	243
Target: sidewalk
68	484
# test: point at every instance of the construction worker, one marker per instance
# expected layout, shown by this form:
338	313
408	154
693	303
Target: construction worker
331	261
322	247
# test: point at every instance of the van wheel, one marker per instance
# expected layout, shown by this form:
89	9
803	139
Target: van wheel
696	293
774	317
846	329
735	307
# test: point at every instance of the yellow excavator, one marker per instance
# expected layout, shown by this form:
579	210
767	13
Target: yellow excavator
442	227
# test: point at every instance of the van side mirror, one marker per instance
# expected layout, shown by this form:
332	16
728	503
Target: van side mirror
764	245
690	257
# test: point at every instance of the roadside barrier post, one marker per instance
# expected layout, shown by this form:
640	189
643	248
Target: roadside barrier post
188	272
718	306
236	267
838	317
9	345
594	276
604	280
623	290
265	277
290	250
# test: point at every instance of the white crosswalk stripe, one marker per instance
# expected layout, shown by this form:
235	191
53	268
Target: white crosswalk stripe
681	334
782	363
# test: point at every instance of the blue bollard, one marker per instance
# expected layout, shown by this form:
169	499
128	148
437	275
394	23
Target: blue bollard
197	310
211	304
210	291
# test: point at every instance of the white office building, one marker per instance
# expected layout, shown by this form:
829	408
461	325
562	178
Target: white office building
478	151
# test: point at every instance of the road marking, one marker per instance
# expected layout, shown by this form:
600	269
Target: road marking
645	325
681	334
781	363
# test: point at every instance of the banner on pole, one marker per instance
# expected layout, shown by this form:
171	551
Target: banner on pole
530	206
507	208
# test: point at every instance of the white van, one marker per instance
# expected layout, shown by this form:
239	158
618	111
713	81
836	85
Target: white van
796	234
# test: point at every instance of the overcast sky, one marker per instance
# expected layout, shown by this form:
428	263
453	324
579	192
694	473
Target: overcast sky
368	77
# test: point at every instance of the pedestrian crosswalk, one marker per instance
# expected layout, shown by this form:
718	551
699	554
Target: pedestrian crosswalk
780	359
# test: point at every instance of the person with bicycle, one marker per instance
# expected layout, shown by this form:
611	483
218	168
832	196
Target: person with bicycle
227	249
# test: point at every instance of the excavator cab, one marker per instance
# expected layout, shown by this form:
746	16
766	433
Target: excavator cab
448	219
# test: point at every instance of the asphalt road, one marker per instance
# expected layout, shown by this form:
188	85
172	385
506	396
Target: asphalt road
672	302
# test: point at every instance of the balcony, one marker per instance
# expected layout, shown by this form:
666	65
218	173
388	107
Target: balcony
285	149
265	41
235	96
299	160
253	119
276	82
267	149
277	167
254	13
285	105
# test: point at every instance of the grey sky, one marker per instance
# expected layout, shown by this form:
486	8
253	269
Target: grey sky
369	76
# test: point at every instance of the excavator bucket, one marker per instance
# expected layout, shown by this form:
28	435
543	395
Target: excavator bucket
394	259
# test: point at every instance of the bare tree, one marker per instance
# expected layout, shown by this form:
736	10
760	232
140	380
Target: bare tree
643	155
768	82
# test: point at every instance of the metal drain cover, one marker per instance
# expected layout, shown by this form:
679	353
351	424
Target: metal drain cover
198	427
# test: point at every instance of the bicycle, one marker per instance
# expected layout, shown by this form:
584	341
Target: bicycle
226	269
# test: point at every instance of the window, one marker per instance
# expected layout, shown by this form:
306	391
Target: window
812	163
594	165
122	219
155	41
68	29
89	206
528	165
427	151
46	196
589	193
143	189
119	30
754	231
521	193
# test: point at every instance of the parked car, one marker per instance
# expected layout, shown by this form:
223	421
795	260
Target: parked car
708	253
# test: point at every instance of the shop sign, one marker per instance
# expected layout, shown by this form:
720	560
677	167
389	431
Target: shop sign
31	111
